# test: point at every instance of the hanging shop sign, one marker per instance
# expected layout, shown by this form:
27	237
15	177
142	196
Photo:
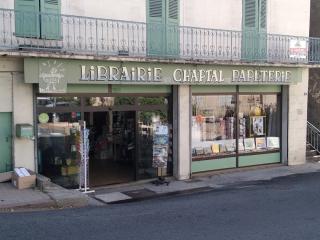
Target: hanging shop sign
53	75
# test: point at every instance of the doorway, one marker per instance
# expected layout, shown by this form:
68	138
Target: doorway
112	147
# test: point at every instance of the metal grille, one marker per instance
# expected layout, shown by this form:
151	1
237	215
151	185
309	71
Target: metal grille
313	137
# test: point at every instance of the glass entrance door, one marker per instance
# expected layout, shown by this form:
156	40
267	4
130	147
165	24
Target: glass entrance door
112	147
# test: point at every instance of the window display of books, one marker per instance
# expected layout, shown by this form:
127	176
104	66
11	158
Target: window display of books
273	142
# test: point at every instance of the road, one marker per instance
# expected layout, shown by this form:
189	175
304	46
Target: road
284	208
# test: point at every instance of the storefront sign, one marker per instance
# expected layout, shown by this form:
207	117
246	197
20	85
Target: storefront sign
179	75
53	75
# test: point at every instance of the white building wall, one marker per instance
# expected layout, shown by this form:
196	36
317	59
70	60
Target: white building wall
23	154
289	17
211	14
133	10
16	97
184	160
297	119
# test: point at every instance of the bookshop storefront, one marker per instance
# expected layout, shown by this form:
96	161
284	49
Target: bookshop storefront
236	116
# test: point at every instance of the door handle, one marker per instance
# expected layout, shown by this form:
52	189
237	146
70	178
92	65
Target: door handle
7	139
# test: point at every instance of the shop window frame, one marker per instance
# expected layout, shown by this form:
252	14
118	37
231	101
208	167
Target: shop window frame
238	154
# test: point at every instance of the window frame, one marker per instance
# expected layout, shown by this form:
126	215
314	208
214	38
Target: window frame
237	154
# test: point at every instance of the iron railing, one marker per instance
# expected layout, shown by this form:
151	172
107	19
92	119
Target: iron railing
313	137
96	36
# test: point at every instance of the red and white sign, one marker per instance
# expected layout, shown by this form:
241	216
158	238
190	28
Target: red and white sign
298	48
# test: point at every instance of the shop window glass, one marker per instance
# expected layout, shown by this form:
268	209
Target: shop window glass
259	123
58	157
58	101
213	126
149	142
109	101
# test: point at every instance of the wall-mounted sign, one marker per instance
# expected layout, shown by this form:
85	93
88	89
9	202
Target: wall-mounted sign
53	75
298	49
43	117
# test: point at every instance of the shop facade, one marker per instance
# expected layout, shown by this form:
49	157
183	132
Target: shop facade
218	117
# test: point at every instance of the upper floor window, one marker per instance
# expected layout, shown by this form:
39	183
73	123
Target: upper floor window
38	18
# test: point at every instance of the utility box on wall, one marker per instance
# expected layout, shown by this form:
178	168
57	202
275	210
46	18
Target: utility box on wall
24	130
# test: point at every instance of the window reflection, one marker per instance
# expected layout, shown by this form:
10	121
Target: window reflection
57	147
259	123
58	101
109	101
213	126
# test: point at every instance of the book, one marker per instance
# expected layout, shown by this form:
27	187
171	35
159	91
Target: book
261	143
199	151
207	151
273	142
215	148
249	144
230	145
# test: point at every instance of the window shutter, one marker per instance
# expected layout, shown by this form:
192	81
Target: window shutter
250	15
155	27
50	19
263	16
27	18
172	27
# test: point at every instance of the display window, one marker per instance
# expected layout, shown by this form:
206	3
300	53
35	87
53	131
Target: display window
235	124
213	126
259	123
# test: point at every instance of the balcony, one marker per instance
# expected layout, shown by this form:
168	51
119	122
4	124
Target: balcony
66	34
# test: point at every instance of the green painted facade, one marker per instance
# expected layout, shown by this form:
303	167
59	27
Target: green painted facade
258	89
215	164
70	72
141	89
259	159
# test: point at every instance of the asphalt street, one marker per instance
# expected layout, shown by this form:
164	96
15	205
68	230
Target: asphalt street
284	208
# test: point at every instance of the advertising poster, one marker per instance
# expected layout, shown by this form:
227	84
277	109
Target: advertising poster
160	146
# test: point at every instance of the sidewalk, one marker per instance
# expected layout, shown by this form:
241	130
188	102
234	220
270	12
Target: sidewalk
199	183
54	196
12	198
47	195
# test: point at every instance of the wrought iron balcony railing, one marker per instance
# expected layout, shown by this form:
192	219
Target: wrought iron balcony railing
105	37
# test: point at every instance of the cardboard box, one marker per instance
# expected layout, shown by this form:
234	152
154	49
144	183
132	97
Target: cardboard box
23	182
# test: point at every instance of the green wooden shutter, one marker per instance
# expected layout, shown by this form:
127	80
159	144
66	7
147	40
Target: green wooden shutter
249	29
156	27
263	29
172	27
50	19
254	30
27	18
